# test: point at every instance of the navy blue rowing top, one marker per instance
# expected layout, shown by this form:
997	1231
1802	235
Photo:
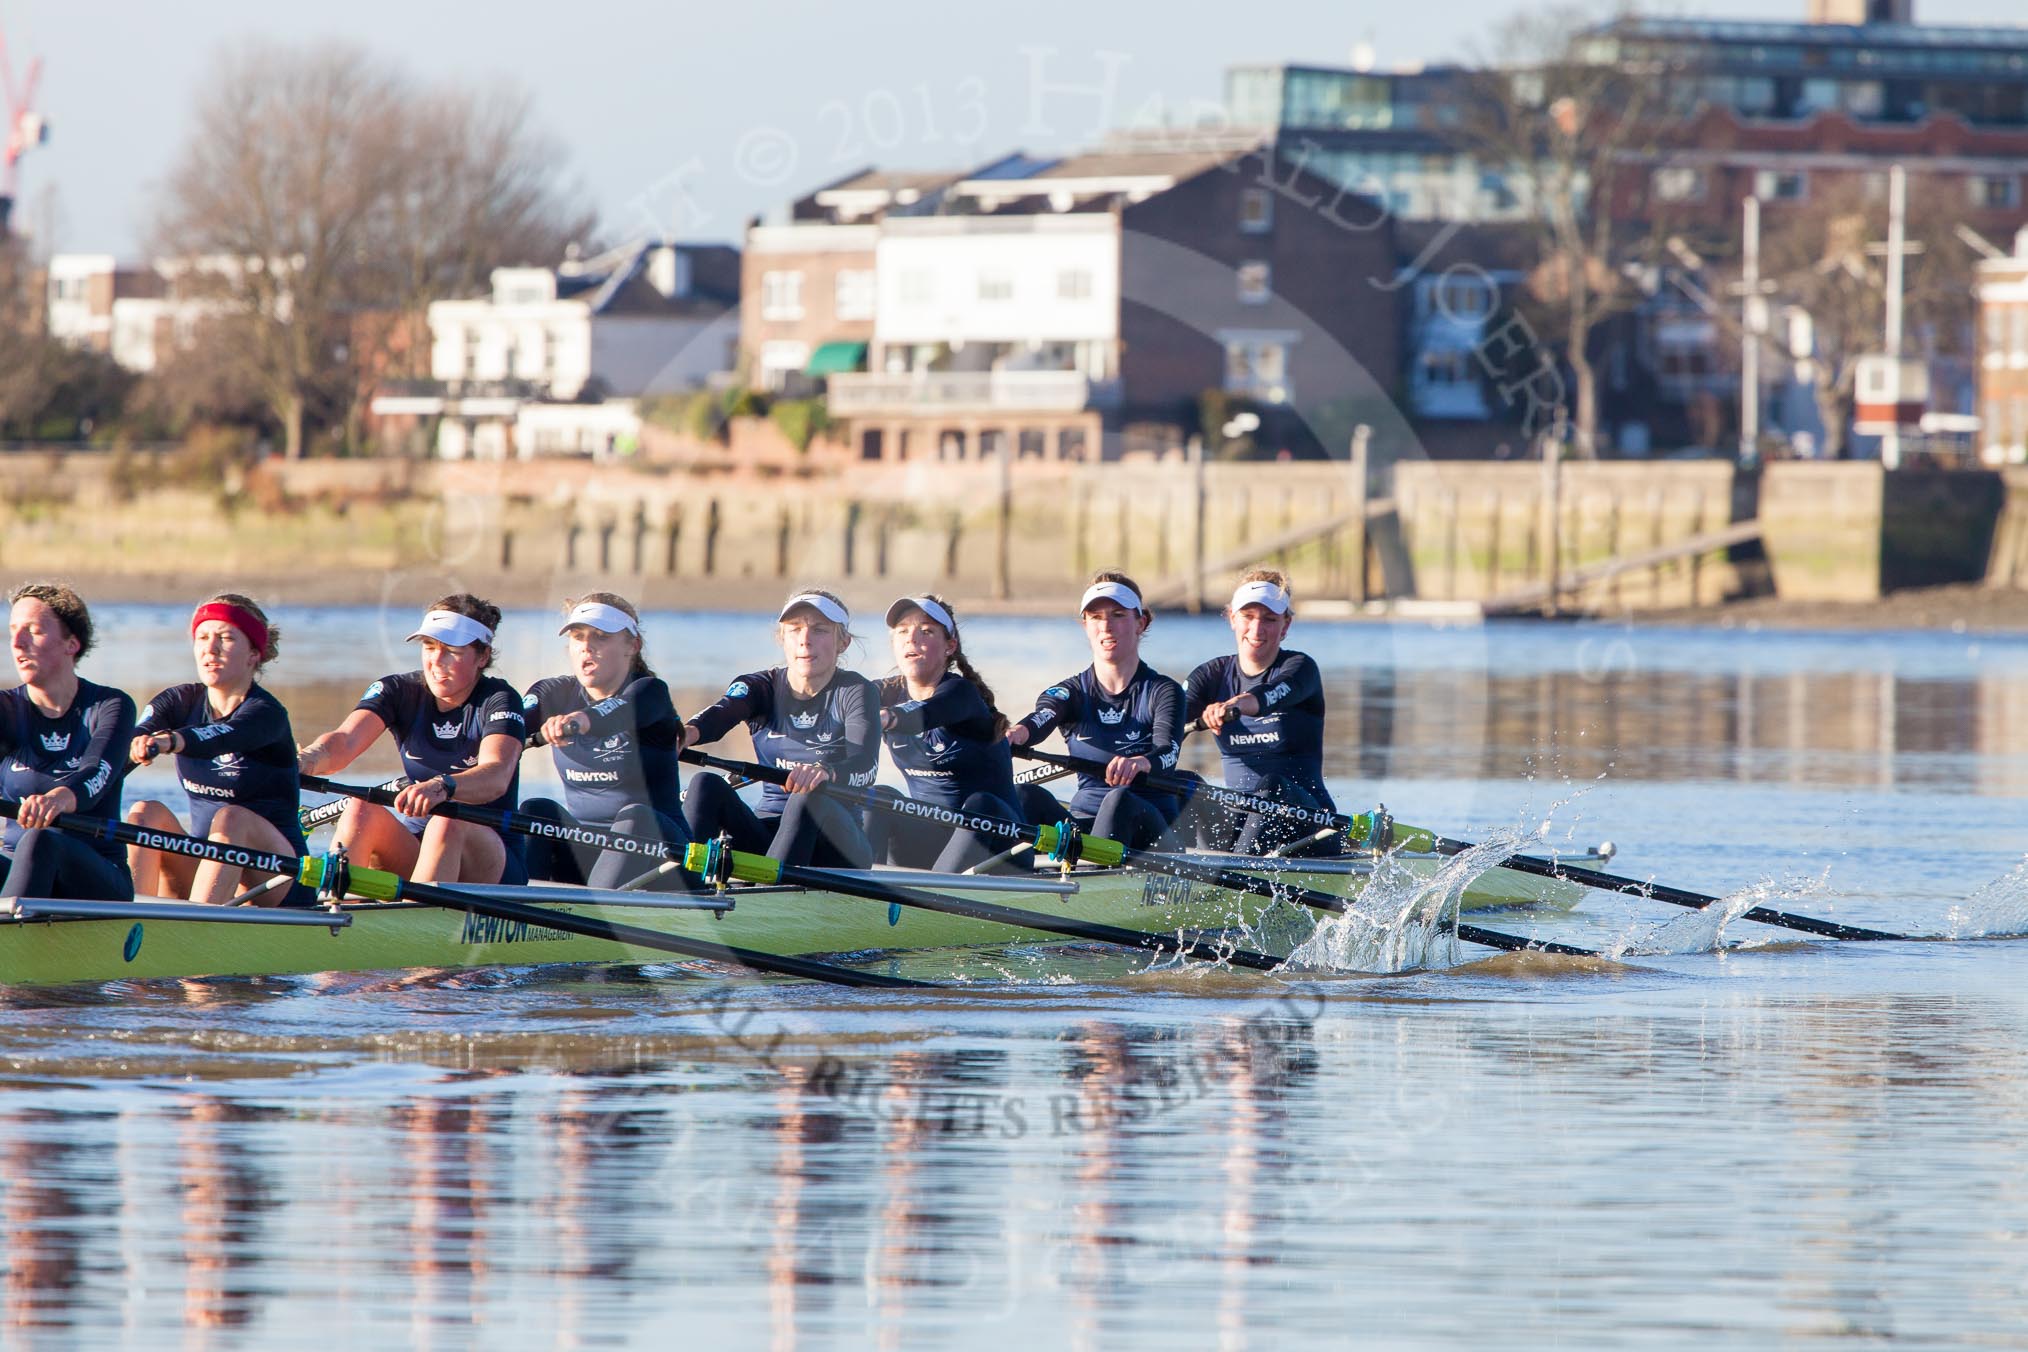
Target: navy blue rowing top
435	741
838	728
1145	719
1285	738
945	745
247	758
83	750
628	757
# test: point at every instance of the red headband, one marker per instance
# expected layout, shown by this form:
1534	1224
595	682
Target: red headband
239	617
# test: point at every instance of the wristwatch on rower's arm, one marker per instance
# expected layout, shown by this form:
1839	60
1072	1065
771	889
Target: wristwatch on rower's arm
449	786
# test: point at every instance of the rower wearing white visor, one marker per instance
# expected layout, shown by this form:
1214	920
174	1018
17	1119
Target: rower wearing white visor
613	731
945	736
1118	713
1265	704
809	717
459	733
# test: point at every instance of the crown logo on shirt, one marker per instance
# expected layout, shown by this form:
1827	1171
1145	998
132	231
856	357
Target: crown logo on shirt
55	741
1110	717
804	722
446	731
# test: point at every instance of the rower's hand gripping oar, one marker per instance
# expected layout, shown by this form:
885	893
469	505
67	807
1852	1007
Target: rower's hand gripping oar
1046	773
1066	844
332	874
310	818
1377	831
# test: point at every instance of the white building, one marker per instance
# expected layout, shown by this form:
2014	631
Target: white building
552	361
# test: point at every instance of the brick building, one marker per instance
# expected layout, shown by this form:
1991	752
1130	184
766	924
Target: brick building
2002	289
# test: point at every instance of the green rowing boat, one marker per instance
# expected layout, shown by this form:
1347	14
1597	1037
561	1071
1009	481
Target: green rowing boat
60	942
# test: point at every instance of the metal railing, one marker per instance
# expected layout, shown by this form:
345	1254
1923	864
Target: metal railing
1031	391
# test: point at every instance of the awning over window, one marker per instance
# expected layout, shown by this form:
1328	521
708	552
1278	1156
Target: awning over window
831	358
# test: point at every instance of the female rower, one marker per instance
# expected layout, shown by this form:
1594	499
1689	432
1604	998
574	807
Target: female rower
1120	714
1265	703
809	717
459	733
63	740
614	733
945	736
235	755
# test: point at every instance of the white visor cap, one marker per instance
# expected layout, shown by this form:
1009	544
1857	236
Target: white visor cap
1109	591
602	617
453	630
823	605
1261	594
926	606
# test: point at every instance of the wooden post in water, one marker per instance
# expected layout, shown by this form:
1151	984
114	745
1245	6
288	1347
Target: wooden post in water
1493	544
1552	501
1362	489
1003	559
1199	502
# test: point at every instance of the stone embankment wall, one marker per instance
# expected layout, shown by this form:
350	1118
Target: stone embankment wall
534	532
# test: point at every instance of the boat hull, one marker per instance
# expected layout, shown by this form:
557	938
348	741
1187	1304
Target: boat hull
153	942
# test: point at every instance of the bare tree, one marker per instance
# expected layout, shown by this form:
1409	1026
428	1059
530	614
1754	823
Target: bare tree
1560	127
319	183
477	191
1827	256
27	357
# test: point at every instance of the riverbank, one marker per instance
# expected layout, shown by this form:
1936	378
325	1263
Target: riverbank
1965	607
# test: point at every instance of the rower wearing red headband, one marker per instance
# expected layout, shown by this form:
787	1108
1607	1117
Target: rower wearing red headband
235	757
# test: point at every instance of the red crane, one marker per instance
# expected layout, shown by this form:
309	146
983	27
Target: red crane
25	126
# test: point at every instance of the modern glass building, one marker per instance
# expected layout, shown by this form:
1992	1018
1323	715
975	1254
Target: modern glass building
1873	72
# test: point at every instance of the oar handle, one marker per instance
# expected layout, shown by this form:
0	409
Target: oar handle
766	774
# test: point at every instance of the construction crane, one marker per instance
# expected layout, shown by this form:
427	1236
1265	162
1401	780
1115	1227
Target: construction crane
25	126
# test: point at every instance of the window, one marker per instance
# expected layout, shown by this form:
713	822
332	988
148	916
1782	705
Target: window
781	295
1462	298
1254	283
918	287
996	285
1677	184
2019	347
1256	211
1073	284
853	294
1780	185
781	359
1990	191
1257	367
1996	328
1447	368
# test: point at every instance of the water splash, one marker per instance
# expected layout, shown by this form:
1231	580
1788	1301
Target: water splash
1703	931
1405	917
1997	910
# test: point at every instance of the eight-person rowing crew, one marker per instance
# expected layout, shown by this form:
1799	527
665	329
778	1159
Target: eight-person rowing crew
616	739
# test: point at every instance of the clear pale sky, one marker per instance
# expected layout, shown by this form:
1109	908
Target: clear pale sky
698	116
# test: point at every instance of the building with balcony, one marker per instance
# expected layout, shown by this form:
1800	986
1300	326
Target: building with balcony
584	340
1045	306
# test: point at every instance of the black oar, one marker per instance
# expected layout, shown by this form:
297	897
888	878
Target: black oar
1361	828
592	837
376	885
1043	774
1065	843
657	849
718	865
310	818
